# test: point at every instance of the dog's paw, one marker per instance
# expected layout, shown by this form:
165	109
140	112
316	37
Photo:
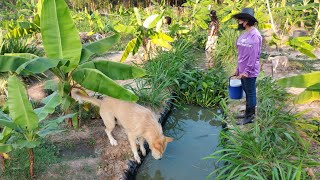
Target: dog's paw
137	158
113	142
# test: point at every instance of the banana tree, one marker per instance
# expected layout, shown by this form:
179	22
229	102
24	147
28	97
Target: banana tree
145	35
70	61
300	44
26	121
310	81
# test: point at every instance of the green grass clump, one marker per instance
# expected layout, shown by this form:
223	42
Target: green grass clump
270	148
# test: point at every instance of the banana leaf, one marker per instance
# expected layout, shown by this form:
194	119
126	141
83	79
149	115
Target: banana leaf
162	43
19	106
51	102
11	63
307	96
130	47
9	124
24	55
98	47
5	148
138	16
152	21
59	35
5	134
37	65
115	70
301	81
95	80
124	29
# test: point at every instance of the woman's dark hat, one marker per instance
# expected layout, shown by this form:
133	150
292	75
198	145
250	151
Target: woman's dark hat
246	13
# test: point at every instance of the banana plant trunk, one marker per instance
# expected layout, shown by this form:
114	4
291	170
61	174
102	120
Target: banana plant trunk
31	162
69	120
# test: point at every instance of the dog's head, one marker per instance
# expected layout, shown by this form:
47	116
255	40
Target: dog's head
159	146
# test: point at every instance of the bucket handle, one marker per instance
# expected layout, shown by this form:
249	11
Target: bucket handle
230	79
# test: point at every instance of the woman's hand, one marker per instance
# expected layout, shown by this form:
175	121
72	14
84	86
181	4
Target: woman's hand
243	75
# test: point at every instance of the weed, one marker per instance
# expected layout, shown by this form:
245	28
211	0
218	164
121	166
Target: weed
202	88
21	45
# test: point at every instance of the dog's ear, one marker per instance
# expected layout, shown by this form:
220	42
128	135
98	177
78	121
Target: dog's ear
169	139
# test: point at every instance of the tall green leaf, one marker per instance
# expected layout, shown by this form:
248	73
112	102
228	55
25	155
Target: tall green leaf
60	37
307	96
95	80
11	63
4	116
51	102
138	16
85	55
315	87
24	55
5	134
152	21
130	46
301	81
4	148
19	106
9	124
98	47
162	36
37	65
115	70
307	52
124	29
162	43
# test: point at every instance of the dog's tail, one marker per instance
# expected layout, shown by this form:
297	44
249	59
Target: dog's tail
81	97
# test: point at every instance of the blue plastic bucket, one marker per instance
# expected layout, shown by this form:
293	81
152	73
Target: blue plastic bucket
235	88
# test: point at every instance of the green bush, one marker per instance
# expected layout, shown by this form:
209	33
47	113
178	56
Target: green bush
202	88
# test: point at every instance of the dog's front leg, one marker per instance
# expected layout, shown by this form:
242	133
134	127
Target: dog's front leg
141	144
132	141
110	123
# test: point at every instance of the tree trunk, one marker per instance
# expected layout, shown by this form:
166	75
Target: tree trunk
31	162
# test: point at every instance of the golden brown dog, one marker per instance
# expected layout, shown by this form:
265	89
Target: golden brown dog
139	123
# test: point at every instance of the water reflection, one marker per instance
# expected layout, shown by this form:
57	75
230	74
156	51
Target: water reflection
196	132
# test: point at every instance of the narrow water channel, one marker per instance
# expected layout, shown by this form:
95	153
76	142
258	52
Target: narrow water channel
196	133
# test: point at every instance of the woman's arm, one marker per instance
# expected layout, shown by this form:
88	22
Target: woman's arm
253	53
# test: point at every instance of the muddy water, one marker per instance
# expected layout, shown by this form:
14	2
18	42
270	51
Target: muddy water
196	134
